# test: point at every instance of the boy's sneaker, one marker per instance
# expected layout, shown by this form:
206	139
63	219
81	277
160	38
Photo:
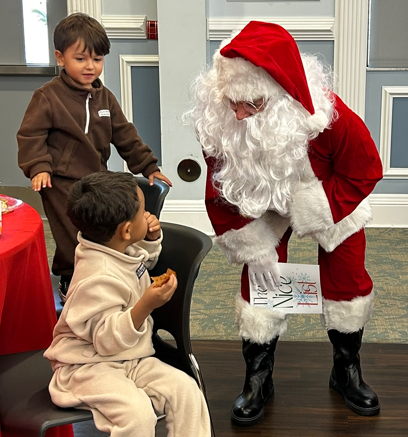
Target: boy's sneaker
63	287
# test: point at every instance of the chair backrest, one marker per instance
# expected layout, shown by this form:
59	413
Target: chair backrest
154	194
184	248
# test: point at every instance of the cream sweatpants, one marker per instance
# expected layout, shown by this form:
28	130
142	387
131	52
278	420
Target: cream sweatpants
123	397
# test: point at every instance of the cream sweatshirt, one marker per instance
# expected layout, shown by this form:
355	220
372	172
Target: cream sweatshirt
95	324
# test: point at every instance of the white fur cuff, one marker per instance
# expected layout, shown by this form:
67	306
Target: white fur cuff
347	316
310	209
252	242
330	238
259	325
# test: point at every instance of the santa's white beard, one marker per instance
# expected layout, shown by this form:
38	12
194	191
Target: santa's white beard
262	157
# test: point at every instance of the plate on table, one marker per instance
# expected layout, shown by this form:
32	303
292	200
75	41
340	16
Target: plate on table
9	204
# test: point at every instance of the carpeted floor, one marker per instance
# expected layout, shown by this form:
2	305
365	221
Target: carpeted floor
213	314
386	260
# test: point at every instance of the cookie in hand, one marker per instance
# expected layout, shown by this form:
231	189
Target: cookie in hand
158	281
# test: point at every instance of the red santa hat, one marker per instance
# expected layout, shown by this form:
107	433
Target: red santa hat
268	47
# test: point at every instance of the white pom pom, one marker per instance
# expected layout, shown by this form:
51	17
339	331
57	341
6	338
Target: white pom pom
318	121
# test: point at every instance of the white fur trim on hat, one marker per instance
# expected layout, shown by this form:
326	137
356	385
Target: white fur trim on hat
347	316
318	121
241	80
254	241
259	325
330	238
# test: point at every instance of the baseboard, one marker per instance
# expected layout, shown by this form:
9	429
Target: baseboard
389	210
188	213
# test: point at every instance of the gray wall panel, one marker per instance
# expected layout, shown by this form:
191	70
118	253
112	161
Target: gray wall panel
124	47
15	94
146	106
399	133
375	81
388	33
11	33
112	76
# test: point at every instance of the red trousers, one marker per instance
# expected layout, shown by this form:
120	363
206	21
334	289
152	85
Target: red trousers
342	272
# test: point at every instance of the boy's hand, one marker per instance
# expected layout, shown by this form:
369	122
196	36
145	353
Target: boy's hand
152	298
153	226
159	175
41	180
157	296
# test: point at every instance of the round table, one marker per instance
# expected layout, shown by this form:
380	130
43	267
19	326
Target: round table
27	309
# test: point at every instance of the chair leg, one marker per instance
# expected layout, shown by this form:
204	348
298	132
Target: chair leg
201	385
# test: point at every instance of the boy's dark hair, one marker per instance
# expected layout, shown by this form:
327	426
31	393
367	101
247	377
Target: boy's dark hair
81	27
98	203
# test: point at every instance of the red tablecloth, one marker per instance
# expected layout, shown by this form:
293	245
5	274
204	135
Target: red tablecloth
27	309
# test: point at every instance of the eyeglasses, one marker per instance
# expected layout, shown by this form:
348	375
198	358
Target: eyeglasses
252	107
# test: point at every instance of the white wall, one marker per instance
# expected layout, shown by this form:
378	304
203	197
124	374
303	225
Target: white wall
182	53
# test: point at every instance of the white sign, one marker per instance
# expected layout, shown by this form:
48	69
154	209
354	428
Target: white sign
299	291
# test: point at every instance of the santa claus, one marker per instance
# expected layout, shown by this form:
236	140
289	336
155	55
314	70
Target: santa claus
285	155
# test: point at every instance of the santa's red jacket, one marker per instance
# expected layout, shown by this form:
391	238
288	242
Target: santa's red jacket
346	165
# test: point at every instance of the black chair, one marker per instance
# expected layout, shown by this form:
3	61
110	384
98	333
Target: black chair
154	194
25	404
183	250
26	408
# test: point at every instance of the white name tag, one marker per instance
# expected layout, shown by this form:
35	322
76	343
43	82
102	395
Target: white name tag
104	113
299	291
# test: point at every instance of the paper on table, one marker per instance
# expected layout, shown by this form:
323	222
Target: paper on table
299	291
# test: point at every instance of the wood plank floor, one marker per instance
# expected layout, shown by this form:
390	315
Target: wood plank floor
303	404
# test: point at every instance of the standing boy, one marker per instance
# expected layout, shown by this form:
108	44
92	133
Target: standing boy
102	348
68	128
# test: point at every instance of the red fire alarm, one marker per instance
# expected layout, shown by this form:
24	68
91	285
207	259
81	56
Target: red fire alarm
151	27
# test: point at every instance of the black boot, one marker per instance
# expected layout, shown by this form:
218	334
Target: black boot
248	407
346	376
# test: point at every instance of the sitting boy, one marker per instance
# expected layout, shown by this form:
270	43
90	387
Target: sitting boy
102	348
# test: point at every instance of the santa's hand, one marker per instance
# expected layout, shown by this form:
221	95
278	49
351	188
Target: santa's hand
265	273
